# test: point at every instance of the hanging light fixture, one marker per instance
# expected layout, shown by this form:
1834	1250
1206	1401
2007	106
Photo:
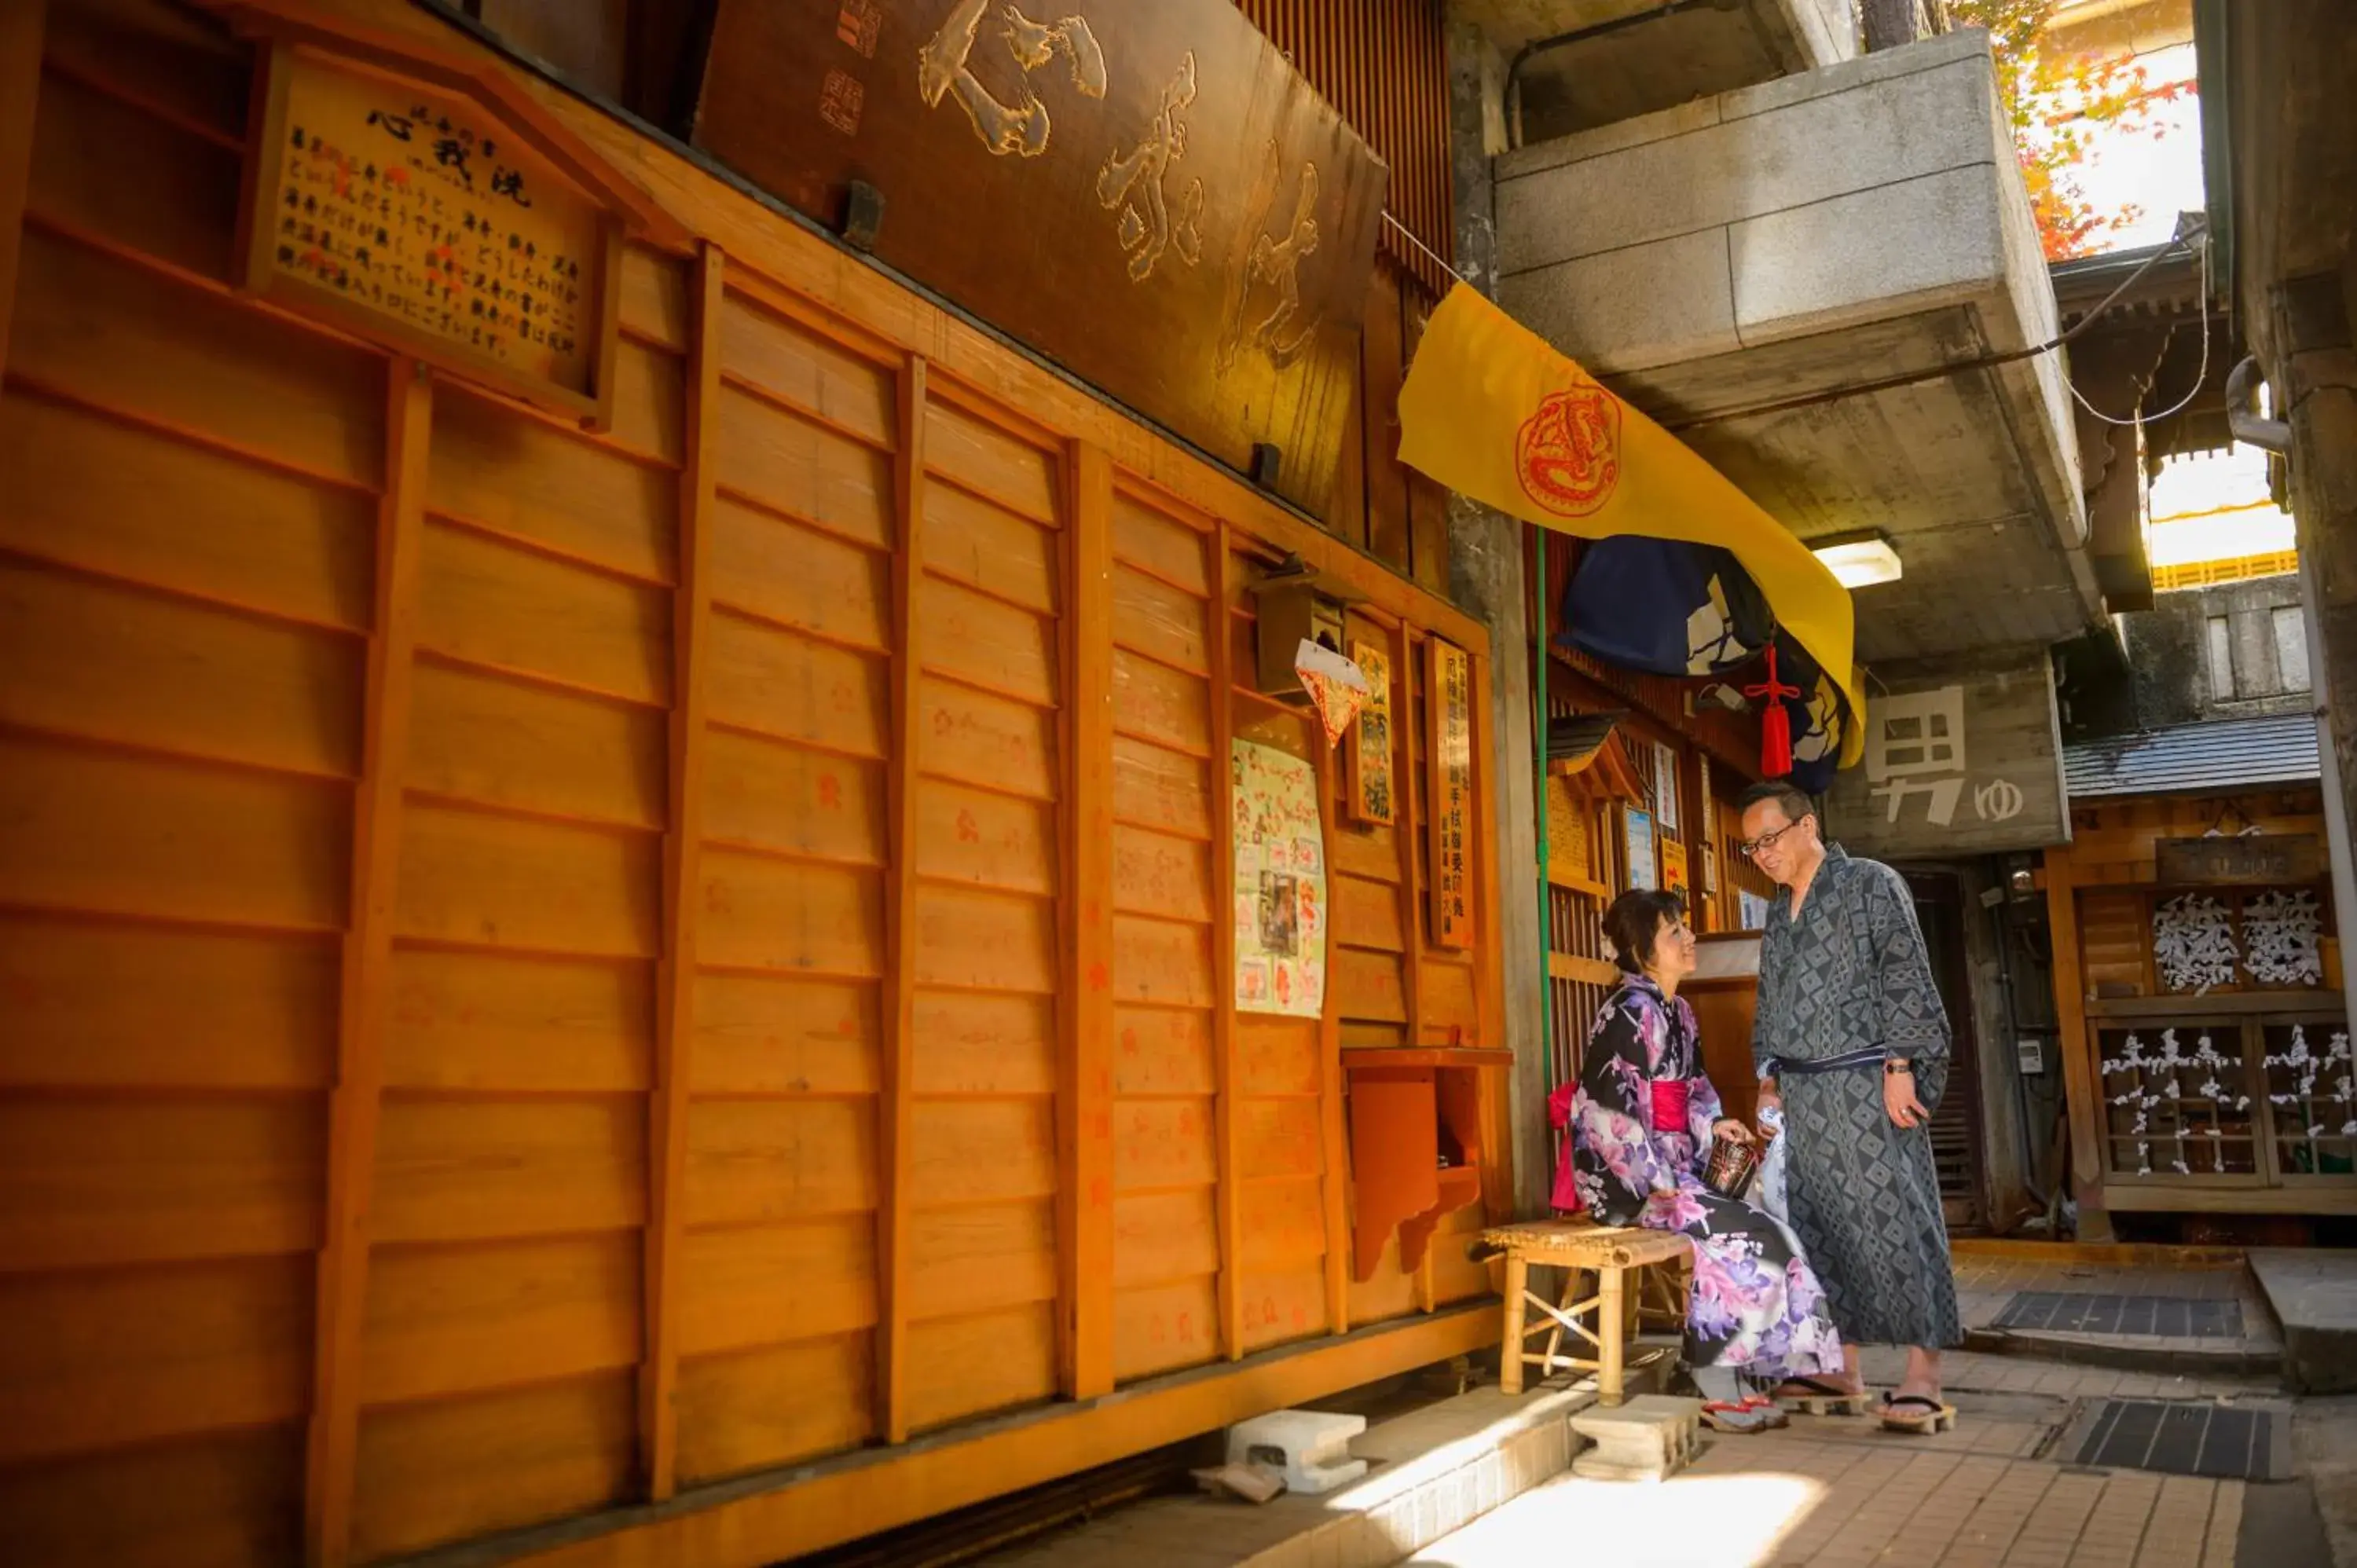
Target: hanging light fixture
1859	560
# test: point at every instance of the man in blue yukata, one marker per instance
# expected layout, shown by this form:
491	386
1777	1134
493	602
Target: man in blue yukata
1851	1041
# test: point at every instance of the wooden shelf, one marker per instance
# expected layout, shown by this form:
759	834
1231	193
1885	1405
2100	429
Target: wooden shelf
1365	1059
1401	1102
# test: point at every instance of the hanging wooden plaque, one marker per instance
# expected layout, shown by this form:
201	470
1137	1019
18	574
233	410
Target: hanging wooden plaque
1449	749
416	216
1148	195
1368	776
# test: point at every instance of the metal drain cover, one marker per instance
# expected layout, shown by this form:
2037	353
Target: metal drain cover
2243	1443
2165	1316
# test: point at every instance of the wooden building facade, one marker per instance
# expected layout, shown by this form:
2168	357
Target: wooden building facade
2205	1046
550	971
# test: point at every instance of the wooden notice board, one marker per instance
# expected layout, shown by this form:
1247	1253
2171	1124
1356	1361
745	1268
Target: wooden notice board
2257	857
1148	195
416	216
1449	708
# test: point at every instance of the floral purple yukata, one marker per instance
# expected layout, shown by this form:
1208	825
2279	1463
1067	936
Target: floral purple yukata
1756	1305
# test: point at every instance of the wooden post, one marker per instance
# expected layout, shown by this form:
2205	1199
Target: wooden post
2080	1085
1084	1087
899	1101
1228	1200
1510	1343
1610	1331
355	1101
1486	955
1335	1189
20	97
1404	833
667	1106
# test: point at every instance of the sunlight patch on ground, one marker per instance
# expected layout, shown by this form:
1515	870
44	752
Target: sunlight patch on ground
1695	1522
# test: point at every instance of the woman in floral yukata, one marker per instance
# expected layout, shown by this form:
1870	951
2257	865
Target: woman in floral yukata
1641	1118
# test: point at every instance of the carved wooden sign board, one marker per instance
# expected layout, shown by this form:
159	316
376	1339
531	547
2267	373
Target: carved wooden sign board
415	215
1148	195
1958	761
2272	858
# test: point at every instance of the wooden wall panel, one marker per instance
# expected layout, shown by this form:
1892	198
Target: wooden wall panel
101	1005
557	1448
91	491
773	1406
704	790
991	1362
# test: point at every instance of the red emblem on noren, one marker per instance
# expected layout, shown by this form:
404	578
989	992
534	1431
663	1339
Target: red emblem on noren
1568	454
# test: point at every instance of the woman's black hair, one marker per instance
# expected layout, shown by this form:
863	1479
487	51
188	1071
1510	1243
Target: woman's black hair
1635	919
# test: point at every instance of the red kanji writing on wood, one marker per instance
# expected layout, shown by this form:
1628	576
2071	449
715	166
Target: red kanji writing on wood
840	102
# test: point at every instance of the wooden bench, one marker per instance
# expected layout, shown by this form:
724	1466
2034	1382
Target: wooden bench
1582	1247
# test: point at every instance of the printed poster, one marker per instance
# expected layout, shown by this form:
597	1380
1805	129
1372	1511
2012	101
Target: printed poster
1637	830
1673	865
1665	786
1280	910
1752	910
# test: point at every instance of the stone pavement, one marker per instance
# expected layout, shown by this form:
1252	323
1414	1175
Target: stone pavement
1845	1494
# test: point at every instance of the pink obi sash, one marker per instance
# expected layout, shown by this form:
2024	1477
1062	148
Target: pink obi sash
1671	1098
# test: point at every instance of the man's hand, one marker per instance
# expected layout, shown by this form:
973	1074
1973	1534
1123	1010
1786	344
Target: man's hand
1727	1127
1769	1096
1899	1099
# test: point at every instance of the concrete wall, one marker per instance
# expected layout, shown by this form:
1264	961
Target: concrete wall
2169	650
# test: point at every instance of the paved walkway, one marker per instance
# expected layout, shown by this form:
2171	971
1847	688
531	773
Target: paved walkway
1845	1494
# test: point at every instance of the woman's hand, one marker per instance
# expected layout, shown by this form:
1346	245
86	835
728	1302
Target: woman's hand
1899	1099
1727	1127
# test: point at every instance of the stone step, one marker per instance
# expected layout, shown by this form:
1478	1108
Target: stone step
2313	1292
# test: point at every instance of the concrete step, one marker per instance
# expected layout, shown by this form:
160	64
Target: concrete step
2313	1292
2248	1357
1431	1472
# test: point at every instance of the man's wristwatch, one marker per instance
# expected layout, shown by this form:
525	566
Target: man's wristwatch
1894	1066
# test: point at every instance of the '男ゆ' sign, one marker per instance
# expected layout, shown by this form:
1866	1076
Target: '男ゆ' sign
1148	195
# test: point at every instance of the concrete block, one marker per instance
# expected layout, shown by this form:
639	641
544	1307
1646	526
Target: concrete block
1657	303
1312	1449
2314	1296
1650	1438
1867	256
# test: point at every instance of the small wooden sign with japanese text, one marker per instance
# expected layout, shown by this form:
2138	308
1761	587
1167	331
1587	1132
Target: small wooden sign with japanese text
1448	714
1368	777
2252	858
419	219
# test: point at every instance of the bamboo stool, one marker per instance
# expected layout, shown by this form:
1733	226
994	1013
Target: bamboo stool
1582	1247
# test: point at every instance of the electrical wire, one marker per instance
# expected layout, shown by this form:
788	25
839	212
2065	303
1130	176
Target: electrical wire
1409	235
2200	376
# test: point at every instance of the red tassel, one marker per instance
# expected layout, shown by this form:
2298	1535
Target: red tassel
1775	723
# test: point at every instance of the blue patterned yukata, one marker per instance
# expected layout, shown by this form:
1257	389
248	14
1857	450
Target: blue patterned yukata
1850	974
1756	1307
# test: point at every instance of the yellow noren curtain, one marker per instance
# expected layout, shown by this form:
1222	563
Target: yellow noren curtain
1493	413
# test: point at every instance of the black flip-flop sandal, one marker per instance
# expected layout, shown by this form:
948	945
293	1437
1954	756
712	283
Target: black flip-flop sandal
1917	1415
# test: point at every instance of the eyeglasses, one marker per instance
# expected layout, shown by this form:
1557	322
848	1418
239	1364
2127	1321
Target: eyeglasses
1749	848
